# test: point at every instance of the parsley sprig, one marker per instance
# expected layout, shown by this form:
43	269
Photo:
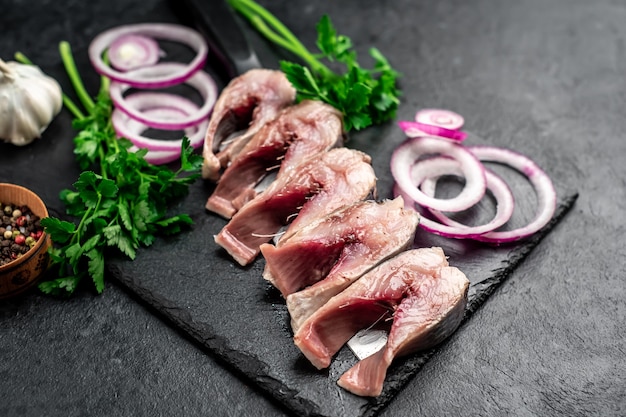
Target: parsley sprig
364	96
120	200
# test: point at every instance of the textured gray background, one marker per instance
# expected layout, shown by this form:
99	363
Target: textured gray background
542	77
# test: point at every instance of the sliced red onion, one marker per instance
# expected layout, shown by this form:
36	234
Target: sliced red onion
133	51
133	131
541	182
163	106
432	226
415	129
165	31
201	81
157	155
408	158
409	152
425	174
440	117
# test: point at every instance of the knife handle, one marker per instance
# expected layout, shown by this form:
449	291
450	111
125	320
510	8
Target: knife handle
215	20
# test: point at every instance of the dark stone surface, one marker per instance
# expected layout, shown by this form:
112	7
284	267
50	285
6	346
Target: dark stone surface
544	78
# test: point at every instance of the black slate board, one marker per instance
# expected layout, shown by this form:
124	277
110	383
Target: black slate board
234	314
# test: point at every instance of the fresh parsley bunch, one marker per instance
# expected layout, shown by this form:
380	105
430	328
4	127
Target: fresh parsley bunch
121	204
364	96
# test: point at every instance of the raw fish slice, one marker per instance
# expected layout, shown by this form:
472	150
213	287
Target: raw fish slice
246	104
299	132
338	177
358	183
432	311
365	302
356	237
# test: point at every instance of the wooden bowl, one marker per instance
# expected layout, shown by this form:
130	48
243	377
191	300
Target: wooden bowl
23	273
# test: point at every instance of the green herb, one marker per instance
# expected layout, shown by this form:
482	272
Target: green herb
365	97
121	204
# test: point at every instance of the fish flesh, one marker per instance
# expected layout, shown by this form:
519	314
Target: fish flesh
426	317
375	295
313	189
417	293
248	102
373	233
351	241
299	132
338	177
357	236
356	183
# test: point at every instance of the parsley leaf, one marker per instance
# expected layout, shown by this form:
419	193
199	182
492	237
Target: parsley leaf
120	200
364	96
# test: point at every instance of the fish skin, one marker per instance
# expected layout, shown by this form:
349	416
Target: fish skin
248	102
401	288
338	177
351	240
299	132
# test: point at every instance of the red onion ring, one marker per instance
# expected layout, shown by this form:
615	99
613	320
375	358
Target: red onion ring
133	51
160	105
131	129
440	117
414	129
153	30
409	152
425	174
541	182
200	80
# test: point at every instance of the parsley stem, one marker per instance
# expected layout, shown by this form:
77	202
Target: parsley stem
254	8
78	233
72	72
262	19
102	155
72	107
20	57
105	82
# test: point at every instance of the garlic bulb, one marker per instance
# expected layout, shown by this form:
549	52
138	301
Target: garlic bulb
29	100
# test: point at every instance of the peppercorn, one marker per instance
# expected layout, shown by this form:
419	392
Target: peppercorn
20	229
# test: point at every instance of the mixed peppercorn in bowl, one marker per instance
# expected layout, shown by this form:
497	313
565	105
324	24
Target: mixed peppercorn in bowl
23	243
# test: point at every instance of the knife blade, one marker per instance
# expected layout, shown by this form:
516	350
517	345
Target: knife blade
366	342
227	41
